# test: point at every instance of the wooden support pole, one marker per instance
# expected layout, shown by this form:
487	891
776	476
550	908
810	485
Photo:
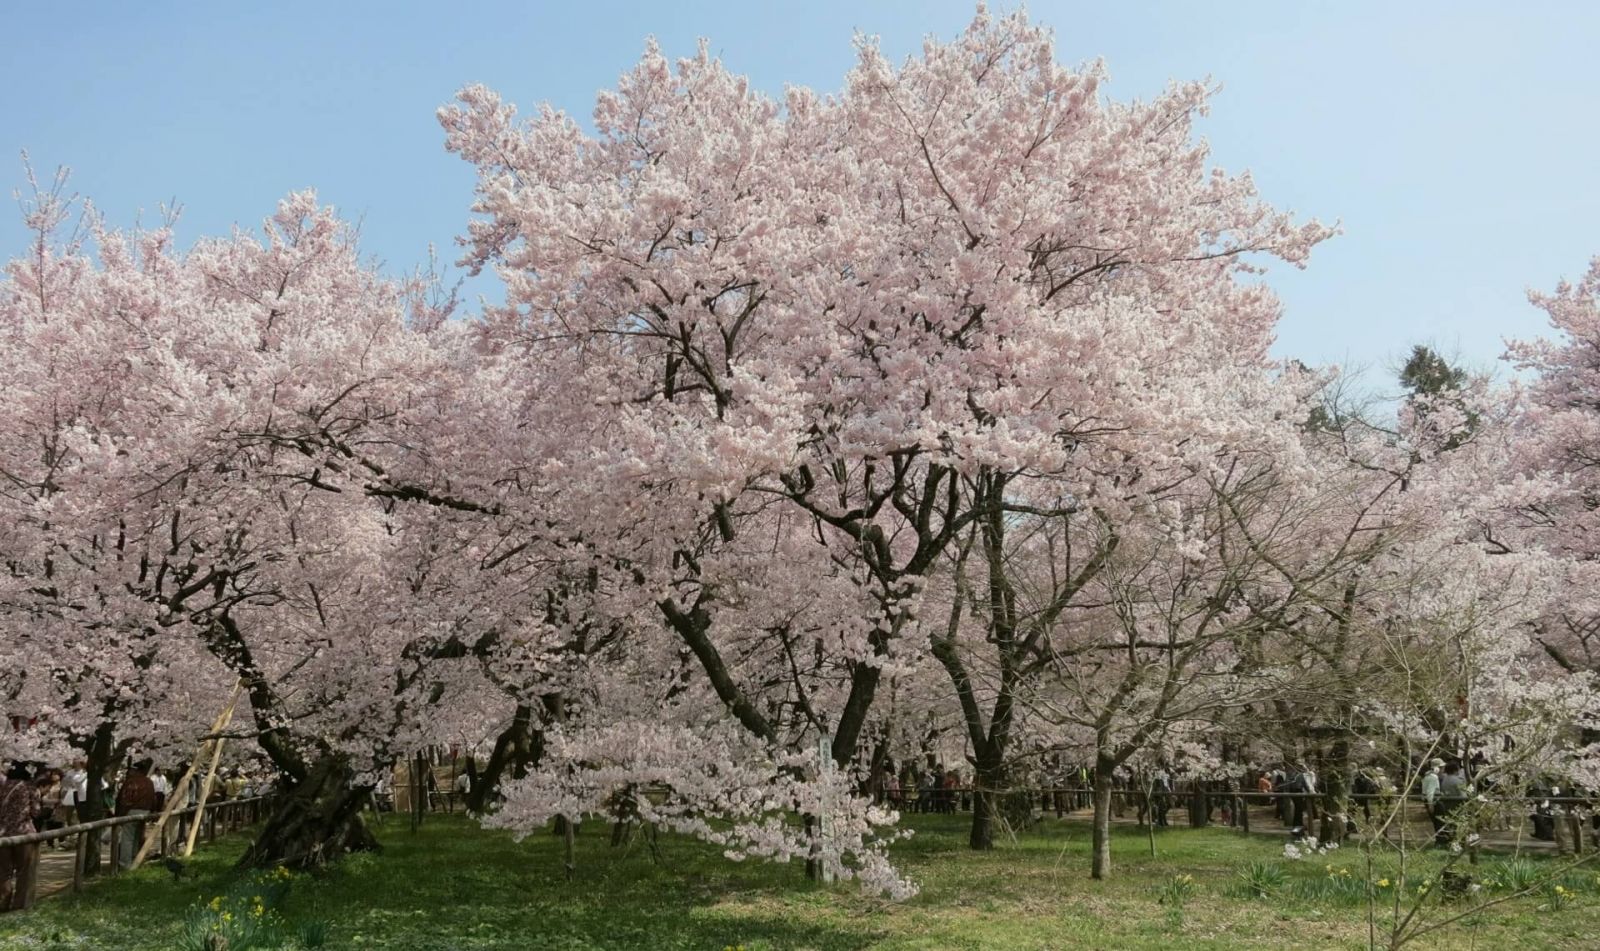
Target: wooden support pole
211	773
179	793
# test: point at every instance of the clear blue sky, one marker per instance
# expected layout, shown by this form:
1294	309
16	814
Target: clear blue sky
1457	142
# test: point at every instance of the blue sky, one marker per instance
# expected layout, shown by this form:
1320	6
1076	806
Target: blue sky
1456	142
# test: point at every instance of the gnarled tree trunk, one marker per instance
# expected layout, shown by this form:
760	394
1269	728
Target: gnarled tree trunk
515	749
316	820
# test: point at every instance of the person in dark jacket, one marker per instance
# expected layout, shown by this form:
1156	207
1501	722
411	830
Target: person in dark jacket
135	797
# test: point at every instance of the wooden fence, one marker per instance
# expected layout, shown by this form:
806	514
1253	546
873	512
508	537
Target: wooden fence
222	816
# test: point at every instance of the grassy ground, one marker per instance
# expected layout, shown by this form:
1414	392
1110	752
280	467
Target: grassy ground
453	886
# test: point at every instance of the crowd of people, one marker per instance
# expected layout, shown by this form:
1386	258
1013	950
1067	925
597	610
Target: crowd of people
1292	790
38	797
932	789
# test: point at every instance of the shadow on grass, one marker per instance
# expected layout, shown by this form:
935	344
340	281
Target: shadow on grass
454	886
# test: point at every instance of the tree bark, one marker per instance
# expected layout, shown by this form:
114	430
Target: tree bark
100	764
513	752
315	821
1336	792
988	784
1100	867
813	865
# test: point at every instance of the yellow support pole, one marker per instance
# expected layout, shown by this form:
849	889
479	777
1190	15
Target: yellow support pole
183	784
211	774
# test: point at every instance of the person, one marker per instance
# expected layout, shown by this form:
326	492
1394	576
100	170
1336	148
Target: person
65	814
1454	782
463	788
163	787
234	785
891	789
135	797
1543	814
942	790
1298	790
1160	798
951	784
431	788
1365	787
18	805
383	792
75	790
1283	804
1430	796
47	789
188	796
1452	793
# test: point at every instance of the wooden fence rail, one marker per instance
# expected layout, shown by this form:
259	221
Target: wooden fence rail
230	814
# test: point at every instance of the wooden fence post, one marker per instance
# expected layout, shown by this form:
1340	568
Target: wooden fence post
28	877
78	861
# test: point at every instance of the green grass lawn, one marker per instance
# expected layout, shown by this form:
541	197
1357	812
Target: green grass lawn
454	886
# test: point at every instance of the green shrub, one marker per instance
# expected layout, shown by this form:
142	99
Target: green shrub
244	918
1334	889
312	933
220	928
1176	892
1262	879
1557	896
1517	875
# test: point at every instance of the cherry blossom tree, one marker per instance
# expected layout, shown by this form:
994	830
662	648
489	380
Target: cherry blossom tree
195	496
810	430
841	330
1558	444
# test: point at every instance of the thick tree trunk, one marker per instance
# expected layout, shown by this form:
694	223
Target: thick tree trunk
988	783
514	751
863	688
421	781
1100	866
100	765
813	866
315	821
880	758
1336	792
